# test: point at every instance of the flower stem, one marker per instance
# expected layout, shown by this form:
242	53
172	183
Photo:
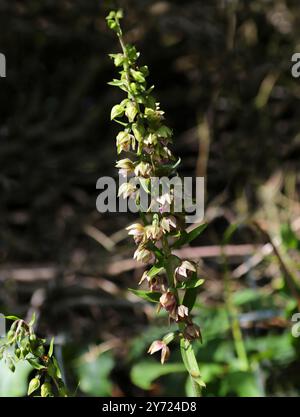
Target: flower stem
196	388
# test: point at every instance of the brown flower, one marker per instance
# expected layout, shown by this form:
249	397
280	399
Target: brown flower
192	331
182	312
168	302
157	284
185	270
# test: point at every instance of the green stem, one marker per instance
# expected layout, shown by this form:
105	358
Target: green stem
170	277
196	388
128	75
233	319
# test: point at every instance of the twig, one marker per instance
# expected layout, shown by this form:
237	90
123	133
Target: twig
100	237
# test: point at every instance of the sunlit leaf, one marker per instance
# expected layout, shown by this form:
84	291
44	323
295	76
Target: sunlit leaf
189	237
190	361
50	352
151	296
189	298
193	282
155	270
12	318
116	111
35	364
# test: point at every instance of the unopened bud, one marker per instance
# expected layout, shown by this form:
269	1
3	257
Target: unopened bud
34	384
143	255
168	302
192	331
46	390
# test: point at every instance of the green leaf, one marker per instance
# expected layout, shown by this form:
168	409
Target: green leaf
138	131
190	361
189	358
35	364
94	375
189	237
118	59
12	318
193	282
50	351
32	321
151	296
155	270
157	252
189	298
57	368
145	183
116	111
144	373
164	132
116	83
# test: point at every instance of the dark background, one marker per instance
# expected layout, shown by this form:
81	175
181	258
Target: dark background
225	65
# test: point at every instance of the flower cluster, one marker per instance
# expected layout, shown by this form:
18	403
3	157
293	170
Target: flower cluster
22	344
146	140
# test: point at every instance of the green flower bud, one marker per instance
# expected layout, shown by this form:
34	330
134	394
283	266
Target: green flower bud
32	338
34	384
131	111
46	390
